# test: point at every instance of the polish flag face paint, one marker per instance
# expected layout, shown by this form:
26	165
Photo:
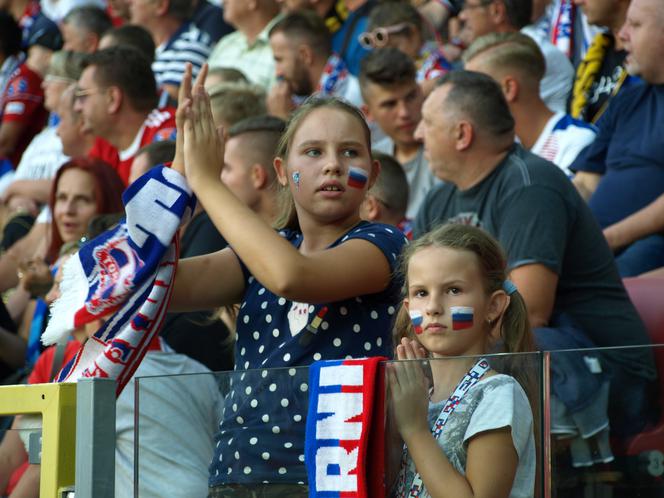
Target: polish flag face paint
462	317
417	319
357	177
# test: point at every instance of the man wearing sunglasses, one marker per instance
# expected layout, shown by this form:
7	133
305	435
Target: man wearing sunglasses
481	17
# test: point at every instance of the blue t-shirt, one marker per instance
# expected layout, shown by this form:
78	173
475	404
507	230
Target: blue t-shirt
627	153
261	434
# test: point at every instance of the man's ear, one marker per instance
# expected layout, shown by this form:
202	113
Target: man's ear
305	54
510	87
162	7
498	13
465	134
375	171
258	176
114	98
280	168
370	209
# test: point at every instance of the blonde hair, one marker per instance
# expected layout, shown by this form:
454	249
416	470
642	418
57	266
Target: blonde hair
287	217
514	327
233	101
515	51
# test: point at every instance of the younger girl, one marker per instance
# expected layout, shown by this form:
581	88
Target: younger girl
321	288
475	440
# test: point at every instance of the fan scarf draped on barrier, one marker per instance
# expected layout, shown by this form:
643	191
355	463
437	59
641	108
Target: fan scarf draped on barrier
125	276
344	443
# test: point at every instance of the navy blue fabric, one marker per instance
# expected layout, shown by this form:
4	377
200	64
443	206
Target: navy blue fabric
628	153
261	434
643	255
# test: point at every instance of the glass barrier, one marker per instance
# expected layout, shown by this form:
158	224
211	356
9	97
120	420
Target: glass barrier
20	443
248	427
606	429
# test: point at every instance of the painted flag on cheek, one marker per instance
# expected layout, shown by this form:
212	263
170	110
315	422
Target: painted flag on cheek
357	177
462	317
417	318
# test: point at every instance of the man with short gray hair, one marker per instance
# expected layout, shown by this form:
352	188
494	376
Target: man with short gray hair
83	27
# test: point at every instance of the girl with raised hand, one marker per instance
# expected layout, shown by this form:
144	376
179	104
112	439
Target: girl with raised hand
475	440
320	288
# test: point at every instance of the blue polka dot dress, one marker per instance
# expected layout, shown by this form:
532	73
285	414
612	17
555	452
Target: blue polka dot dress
261	436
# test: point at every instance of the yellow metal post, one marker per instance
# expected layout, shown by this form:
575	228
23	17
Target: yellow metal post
57	405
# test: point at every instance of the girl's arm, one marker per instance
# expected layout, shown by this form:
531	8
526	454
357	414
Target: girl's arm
491	460
354	268
490	466
208	281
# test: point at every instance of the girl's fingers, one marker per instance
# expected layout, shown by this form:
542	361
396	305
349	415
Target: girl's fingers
202	75
184	92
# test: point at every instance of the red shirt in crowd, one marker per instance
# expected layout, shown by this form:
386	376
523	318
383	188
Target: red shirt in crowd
159	125
23	102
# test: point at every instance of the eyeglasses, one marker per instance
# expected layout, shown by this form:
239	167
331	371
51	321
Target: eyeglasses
379	37
471	6
81	94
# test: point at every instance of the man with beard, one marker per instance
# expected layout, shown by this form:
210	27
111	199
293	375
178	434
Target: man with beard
305	64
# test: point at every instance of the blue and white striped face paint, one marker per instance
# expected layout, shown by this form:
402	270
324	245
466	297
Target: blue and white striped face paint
296	179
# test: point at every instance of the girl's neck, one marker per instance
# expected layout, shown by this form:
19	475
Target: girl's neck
317	236
447	373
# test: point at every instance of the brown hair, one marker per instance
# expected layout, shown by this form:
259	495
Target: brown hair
108	194
287	217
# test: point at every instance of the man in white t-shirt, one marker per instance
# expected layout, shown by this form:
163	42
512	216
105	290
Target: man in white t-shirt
481	17
305	64
515	61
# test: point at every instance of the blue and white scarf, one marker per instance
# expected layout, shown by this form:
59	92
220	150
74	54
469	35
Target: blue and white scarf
125	274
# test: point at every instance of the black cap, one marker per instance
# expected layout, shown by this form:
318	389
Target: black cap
45	33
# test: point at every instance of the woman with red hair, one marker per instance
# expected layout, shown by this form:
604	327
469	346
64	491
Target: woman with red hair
82	189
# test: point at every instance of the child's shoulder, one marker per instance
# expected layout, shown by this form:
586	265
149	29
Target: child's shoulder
378	233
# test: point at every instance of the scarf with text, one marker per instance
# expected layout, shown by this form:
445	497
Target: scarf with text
125	276
344	445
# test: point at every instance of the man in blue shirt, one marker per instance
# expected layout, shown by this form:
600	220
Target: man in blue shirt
622	171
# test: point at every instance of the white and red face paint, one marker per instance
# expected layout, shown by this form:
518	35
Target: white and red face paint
462	317
416	318
357	177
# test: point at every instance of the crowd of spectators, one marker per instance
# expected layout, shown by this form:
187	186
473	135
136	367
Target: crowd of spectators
535	120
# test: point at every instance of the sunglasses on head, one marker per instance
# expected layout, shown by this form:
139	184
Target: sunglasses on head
379	37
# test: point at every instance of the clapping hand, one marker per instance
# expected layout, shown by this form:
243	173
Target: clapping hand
203	141
184	100
409	389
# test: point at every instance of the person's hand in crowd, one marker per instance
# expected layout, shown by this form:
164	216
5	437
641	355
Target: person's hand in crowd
35	277
203	141
21	204
409	389
184	99
280	99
